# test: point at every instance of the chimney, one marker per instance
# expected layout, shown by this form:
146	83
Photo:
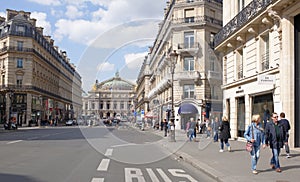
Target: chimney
40	30
2	20
33	22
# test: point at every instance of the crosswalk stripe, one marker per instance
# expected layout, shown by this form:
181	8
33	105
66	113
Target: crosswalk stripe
97	180
109	152
103	165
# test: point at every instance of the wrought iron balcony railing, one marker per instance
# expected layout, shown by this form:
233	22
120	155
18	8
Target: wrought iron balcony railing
244	16
198	20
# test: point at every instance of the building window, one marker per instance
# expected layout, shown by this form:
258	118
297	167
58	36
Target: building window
3	80
188	91
239	63
189	39
115	106
20	46
20	29
189	16
211	41
265	58
19	80
189	64
122	105
108	106
93	106
101	105
19	63
241	5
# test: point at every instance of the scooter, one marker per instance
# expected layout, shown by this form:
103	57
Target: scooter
10	126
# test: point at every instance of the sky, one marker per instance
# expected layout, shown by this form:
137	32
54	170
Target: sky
100	37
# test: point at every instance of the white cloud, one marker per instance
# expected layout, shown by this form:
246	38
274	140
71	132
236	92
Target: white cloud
106	66
134	60
72	12
3	14
42	22
116	12
47	2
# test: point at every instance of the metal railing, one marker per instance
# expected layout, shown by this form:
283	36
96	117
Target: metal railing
244	16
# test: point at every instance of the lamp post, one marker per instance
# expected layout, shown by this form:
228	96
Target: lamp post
173	59
10	95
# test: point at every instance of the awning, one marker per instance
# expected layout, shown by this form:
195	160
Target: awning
186	108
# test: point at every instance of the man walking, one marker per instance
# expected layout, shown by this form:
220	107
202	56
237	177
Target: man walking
215	128
287	127
275	137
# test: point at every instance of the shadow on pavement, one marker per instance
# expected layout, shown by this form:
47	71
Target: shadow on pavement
15	178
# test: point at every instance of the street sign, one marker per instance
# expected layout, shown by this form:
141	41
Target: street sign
266	79
142	111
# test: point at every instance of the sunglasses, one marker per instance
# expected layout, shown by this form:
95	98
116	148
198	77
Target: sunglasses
275	116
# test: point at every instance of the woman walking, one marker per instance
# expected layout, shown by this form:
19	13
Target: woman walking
224	134
255	134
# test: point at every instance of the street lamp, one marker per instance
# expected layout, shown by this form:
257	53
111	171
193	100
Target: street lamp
173	59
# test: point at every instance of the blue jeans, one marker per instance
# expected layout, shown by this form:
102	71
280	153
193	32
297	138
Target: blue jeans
222	141
216	136
191	134
254	157
275	157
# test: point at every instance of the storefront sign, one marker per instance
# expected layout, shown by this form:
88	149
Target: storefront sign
266	79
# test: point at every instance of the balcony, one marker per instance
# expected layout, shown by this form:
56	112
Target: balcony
241	19
187	75
214	75
198	20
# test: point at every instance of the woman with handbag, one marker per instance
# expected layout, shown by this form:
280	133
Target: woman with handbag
255	135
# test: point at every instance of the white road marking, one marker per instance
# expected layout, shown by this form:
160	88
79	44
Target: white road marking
134	173
103	165
152	175
97	180
163	175
181	173
16	141
109	152
124	145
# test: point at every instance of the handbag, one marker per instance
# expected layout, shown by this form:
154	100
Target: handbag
249	144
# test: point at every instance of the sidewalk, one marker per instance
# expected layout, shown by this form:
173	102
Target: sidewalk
234	166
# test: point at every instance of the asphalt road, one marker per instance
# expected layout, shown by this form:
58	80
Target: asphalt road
90	154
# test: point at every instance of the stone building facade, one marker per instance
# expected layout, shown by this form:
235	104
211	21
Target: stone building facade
110	98
188	28
38	82
259	43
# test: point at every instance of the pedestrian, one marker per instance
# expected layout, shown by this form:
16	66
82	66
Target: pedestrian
224	134
267	114
208	128
165	126
215	129
287	127
191	130
255	134
275	138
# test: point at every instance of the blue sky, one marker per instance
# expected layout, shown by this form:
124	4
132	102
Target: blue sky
100	36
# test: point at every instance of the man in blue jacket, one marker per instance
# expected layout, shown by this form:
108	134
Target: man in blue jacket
275	136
